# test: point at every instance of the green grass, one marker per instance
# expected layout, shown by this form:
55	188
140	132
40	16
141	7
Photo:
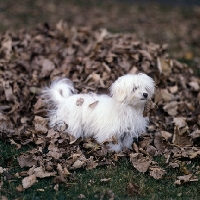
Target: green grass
87	182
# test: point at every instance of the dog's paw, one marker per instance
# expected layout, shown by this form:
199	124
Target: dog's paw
114	147
127	141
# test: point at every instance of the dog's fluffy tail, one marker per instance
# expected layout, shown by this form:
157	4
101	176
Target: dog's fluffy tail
58	91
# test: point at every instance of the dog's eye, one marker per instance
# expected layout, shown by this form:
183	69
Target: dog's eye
135	88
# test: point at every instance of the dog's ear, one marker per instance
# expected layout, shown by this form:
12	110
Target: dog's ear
118	90
149	84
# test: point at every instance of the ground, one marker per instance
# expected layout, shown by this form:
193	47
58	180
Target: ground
93	43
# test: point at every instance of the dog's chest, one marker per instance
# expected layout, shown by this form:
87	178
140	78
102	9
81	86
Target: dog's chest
135	123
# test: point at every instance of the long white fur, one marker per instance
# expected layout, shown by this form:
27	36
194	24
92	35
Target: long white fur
101	116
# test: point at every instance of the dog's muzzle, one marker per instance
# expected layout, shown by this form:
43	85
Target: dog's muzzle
145	95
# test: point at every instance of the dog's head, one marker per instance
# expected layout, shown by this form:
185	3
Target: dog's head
133	89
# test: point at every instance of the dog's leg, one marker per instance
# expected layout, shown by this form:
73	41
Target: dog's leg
115	147
127	141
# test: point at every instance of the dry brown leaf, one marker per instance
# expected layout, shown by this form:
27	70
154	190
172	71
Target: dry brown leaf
79	102
17	145
1	170
91	163
29	181
146	54
26	161
95	77
81	196
91	145
78	164
39	104
105	179
139	162
41	128
56	187
47	67
40	120
133	189
181	140
62	171
157	172
8	91
166	135
41	173
193	154
195	134
173	89
171	108
164	66
180	122
133	70
135	147
20	188
195	85
147	108
52	134
93	105
159	143
164	95
151	150
4	197
185	179
174	165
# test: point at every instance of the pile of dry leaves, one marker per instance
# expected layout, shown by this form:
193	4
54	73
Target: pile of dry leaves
93	59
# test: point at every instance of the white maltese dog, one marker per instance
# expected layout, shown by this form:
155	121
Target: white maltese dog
119	116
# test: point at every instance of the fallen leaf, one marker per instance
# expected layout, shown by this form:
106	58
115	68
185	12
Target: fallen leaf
29	181
1	170
166	135
17	145
193	154
78	164
4	197
179	139
26	161
63	172
174	165
185	179
171	108
81	196
41	173
173	89
133	189
164	66
41	129
195	134
105	179
194	85
79	102
56	187
95	77
157	172
8	91
20	188
93	105
180	122
139	162
47	67
91	163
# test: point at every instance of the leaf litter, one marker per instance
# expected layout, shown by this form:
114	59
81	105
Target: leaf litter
93	59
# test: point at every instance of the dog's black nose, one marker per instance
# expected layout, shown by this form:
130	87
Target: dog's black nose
145	95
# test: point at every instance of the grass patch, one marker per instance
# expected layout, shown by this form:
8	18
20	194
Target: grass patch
89	184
